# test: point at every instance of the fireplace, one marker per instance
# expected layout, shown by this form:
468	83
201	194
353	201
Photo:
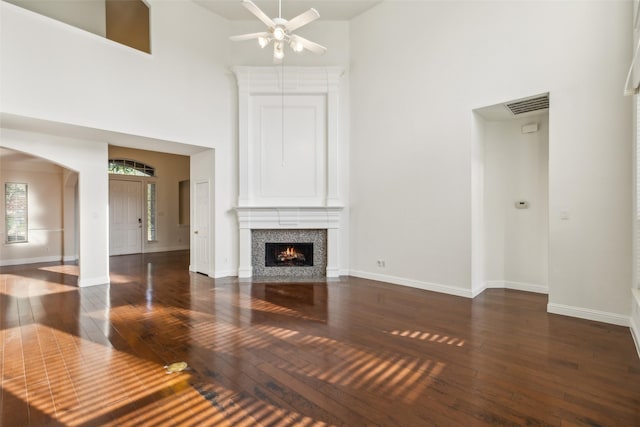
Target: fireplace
288	254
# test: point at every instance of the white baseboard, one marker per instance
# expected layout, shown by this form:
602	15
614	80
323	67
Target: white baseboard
227	273
435	287
36	260
518	286
83	282
589	314
70	258
635	319
153	249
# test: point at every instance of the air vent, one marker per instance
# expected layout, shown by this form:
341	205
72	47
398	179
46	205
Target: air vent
529	105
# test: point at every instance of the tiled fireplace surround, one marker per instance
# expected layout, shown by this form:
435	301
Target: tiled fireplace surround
313	95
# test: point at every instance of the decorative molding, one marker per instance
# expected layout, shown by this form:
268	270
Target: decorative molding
270	80
518	286
320	217
434	287
223	273
93	281
259	81
589	314
152	249
35	260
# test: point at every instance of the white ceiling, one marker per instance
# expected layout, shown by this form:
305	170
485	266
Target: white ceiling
332	10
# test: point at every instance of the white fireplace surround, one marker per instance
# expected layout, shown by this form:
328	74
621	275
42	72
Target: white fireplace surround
291	218
288	127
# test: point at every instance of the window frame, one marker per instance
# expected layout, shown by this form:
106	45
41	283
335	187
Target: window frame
7	216
131	168
149	217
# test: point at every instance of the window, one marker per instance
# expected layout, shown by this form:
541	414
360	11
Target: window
130	167
151	211
15	214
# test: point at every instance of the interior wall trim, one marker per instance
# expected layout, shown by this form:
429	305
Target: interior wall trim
518	286
418	284
589	314
34	260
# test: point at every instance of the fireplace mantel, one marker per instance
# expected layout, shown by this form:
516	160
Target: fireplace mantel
277	217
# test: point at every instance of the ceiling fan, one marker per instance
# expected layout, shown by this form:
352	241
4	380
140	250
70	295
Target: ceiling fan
280	31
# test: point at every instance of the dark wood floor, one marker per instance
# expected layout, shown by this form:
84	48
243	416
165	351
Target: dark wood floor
351	352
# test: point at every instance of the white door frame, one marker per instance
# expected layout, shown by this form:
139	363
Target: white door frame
143	214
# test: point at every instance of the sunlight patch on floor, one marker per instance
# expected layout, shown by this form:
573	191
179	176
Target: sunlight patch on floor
427	336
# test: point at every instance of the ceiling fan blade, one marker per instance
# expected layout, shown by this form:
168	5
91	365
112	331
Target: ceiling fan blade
302	19
250	36
309	45
251	7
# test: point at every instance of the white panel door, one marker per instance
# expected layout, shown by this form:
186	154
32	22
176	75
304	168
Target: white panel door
125	217
201	228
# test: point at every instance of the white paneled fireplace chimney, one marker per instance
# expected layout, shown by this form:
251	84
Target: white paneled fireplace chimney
288	152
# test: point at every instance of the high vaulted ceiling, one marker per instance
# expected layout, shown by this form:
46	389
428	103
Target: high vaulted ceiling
332	10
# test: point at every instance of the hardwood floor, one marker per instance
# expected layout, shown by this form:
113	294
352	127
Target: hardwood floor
351	352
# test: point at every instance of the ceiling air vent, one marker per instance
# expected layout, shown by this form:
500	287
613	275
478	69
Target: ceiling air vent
529	105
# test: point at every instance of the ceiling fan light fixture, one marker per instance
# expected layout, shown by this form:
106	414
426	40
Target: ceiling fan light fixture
278	50
296	46
263	41
279	33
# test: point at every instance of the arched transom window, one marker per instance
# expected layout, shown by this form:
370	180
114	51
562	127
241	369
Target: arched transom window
130	167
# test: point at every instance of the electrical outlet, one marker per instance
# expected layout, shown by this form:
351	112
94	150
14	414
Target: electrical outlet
381	263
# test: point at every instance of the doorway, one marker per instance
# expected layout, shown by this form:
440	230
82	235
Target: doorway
125	217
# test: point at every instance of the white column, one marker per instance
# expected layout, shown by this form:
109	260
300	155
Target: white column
333	189
243	75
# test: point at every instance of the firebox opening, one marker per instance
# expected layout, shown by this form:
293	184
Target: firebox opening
288	255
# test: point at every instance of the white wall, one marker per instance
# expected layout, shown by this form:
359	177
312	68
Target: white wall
180	93
412	132
90	15
516	168
44	213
